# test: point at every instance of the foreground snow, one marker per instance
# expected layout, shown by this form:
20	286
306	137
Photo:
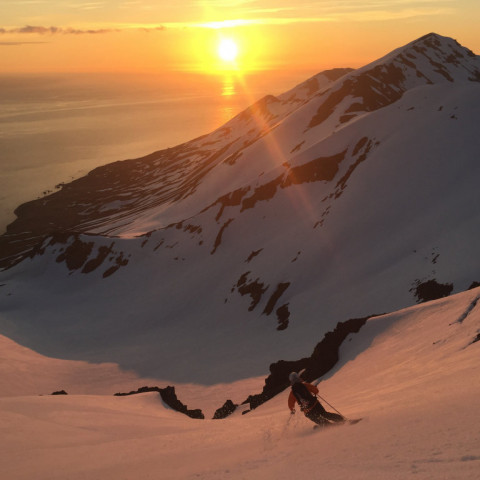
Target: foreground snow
412	375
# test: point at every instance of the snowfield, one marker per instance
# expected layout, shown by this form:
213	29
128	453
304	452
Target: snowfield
412	375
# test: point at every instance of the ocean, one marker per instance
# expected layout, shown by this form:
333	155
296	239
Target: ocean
58	127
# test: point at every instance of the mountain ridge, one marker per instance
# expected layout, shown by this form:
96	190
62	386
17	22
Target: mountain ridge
256	238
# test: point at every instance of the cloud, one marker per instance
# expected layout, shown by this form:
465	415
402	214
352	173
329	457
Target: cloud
223	3
39	30
269	12
88	5
281	12
9	44
243	13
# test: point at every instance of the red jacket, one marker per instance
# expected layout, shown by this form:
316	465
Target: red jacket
292	399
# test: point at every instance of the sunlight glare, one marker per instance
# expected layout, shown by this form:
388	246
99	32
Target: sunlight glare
227	50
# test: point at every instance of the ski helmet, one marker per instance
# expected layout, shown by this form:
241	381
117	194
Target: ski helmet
294	377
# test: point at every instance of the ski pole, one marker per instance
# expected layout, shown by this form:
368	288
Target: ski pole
331	406
286	426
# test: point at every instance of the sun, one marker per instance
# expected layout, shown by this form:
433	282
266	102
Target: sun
227	50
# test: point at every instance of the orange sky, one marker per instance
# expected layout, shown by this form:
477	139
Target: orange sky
152	36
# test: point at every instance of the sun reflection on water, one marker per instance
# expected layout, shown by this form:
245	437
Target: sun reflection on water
229	94
228	86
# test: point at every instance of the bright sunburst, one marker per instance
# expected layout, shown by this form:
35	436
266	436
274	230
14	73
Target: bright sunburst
227	50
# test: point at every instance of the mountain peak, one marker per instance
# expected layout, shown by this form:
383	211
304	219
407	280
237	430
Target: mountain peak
434	40
429	60
445	54
432	36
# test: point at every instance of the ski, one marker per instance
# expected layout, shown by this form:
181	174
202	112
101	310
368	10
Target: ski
354	421
333	424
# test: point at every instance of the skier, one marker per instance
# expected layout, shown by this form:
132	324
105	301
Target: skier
304	394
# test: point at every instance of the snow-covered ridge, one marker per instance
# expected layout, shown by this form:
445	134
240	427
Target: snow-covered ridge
429	60
162	188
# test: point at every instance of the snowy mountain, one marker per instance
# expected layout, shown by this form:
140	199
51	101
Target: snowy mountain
352	194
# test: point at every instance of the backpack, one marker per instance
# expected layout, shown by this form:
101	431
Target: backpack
304	397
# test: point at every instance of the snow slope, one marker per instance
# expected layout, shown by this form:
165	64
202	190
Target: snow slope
206	262
412	375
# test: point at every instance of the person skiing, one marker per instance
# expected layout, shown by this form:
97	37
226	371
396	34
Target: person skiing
304	394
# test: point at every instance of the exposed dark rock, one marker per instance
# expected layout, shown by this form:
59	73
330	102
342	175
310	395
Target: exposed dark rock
197	229
468	310
253	288
475	76
296	257
360	144
474	285
59	392
259	108
283	316
253	255
226	410
346	118
332	99
311	85
476	339
139	390
279	291
297	147
430	290
407	62
232	199
384	84
364	144
218	240
323	358
146	236
335	73
120	261
316	170
117	188
232	159
76	254
94	263
262	193
374	89
169	396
